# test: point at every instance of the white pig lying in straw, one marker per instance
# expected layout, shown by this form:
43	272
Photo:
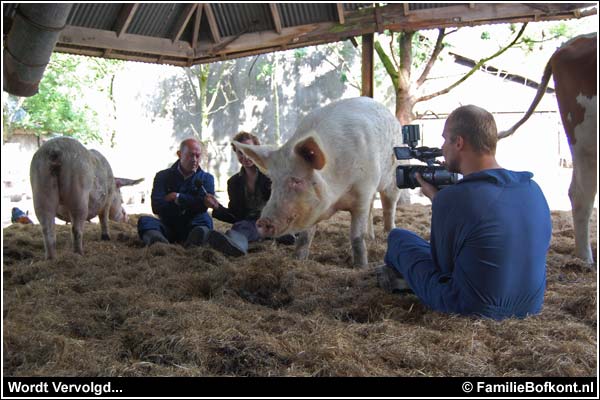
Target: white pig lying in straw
74	184
338	158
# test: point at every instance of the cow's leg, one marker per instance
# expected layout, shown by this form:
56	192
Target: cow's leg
389	199
582	193
303	243
358	231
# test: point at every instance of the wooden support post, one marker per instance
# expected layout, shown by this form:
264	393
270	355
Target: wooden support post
367	65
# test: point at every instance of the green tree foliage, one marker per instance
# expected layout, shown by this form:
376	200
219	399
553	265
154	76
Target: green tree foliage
60	107
537	37
408	58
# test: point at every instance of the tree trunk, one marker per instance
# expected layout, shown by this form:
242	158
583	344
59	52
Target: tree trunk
404	108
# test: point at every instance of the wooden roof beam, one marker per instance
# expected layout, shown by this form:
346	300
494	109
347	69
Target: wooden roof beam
276	17
96	38
183	21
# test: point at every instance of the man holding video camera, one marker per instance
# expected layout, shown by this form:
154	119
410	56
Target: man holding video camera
490	232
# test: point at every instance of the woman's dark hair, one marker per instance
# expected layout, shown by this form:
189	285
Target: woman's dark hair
241	136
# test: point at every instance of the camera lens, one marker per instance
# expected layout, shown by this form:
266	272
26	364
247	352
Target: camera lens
436	175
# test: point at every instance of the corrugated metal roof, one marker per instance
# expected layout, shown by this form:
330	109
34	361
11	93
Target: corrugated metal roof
294	14
235	18
96	16
155	19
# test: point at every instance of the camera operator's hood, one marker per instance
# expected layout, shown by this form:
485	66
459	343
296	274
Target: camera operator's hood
499	176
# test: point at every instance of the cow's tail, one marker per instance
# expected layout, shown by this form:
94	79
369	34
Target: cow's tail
536	100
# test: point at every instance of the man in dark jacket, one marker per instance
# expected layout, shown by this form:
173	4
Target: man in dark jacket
249	190
490	232
180	197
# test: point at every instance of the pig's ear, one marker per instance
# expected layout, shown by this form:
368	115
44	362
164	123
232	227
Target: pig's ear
127	182
259	155
310	151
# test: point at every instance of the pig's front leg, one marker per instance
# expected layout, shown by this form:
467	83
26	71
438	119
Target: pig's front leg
103	217
303	242
358	230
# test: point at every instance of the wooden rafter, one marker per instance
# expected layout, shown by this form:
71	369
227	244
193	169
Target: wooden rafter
183	21
212	23
197	21
125	17
340	13
123	21
276	17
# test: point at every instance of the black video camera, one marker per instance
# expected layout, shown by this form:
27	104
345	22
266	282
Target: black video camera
437	175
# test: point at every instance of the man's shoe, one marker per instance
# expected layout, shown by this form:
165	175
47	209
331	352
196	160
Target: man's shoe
391	280
198	236
232	243
153	236
286	239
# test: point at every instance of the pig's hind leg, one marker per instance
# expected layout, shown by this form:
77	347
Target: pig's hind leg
45	204
79	212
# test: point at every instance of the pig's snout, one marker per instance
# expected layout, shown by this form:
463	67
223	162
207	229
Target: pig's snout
265	227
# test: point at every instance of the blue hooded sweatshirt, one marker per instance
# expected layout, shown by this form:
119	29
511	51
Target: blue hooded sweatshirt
490	234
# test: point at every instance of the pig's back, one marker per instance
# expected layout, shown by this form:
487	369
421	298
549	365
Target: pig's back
66	160
358	134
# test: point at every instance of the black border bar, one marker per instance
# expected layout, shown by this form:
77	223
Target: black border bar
206	387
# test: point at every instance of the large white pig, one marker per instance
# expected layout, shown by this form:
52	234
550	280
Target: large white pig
74	184
338	158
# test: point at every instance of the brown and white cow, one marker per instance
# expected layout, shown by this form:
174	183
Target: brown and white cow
574	67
